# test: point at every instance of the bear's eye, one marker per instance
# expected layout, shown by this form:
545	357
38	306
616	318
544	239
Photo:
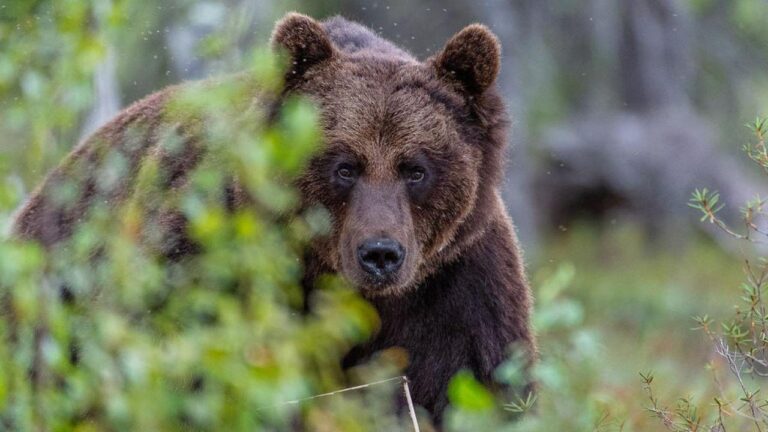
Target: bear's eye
415	174
346	172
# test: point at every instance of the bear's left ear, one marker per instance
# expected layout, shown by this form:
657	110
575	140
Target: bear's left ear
471	59
304	40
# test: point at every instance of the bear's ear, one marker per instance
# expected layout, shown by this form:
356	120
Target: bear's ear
304	40
471	59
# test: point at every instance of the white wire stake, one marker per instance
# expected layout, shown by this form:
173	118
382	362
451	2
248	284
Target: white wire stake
411	411
406	390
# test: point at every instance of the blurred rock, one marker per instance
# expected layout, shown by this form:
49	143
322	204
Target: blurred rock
637	166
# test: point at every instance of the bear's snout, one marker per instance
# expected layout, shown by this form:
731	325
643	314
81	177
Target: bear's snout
381	257
377	245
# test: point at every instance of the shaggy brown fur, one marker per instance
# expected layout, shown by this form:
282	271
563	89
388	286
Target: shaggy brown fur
413	155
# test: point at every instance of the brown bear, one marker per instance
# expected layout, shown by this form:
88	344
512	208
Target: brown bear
409	171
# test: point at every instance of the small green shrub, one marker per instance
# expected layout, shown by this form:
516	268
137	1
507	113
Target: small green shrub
739	342
99	333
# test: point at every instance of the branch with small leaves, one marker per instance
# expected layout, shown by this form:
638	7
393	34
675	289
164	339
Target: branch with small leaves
757	151
708	202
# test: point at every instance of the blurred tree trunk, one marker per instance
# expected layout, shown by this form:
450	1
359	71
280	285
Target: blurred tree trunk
106	94
654	54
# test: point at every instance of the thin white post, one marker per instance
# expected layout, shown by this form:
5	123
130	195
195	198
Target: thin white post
408	399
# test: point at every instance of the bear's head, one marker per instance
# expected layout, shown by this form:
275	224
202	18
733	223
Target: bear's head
412	153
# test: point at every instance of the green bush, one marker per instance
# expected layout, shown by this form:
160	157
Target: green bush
217	341
101	333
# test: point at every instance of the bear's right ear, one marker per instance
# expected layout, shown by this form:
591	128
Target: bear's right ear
305	42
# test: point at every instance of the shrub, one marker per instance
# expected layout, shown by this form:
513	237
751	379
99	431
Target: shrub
740	342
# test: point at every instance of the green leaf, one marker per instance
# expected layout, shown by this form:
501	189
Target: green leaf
465	392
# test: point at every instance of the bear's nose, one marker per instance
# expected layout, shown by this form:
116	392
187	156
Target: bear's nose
381	256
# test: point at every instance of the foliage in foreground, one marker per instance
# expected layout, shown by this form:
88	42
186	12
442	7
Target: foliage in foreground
101	333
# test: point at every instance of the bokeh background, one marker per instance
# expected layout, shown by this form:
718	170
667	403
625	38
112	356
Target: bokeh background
620	109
